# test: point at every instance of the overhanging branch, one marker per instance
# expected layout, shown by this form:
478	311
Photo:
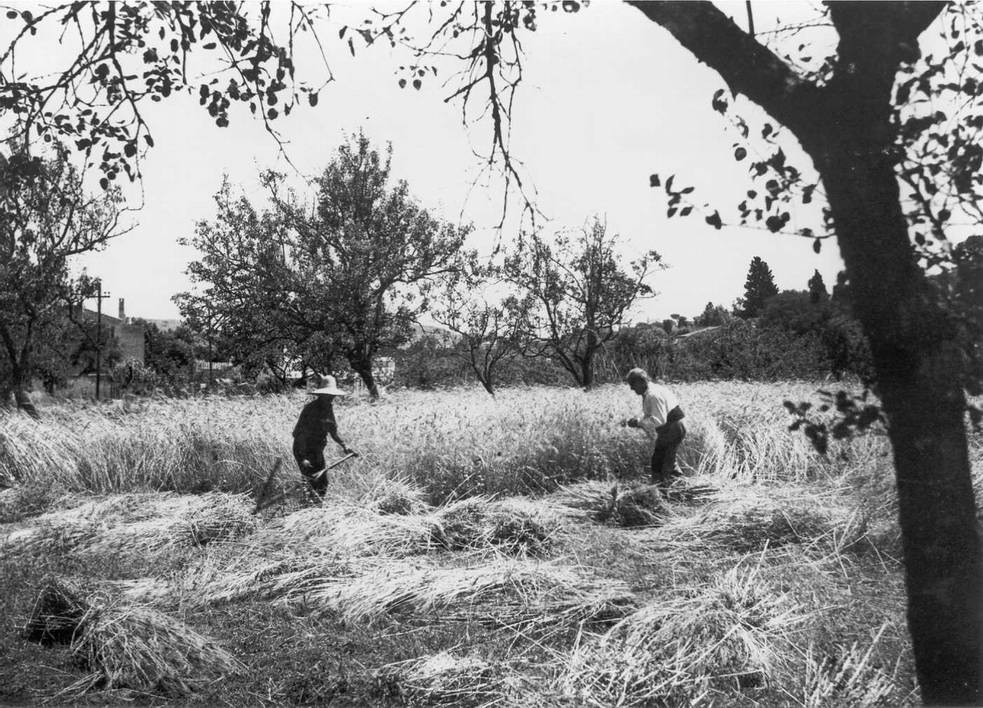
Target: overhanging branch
747	66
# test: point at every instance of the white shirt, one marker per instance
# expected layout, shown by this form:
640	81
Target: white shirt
657	401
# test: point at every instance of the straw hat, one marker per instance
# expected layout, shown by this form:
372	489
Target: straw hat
330	388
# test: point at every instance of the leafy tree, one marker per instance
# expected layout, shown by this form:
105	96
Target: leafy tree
345	277
366	256
712	316
119	55
428	362
581	292
794	311
492	330
46	218
243	295
170	354
817	288
758	288
645	345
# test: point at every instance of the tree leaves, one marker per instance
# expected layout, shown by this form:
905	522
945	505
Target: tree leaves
142	52
718	102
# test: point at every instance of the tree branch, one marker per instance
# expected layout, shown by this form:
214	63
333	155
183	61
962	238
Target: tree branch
747	66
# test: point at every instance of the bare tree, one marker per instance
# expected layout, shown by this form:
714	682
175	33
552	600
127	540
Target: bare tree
581	292
493	327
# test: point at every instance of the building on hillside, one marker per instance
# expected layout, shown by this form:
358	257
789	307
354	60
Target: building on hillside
129	334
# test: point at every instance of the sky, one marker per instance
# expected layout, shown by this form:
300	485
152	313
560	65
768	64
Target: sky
608	98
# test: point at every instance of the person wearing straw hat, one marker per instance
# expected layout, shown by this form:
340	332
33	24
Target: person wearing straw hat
315	424
662	420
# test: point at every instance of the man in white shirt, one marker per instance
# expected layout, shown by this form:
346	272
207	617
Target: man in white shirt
662	420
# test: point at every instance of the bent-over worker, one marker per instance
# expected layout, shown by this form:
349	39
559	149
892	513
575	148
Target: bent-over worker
315	424
662	420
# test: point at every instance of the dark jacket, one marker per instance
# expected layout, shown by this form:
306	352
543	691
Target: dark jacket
315	423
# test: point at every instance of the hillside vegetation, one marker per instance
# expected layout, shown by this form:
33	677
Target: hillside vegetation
479	552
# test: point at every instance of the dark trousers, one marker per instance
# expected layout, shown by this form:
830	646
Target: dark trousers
315	456
664	456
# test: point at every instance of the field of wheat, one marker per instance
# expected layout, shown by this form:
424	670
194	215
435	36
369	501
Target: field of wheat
479	551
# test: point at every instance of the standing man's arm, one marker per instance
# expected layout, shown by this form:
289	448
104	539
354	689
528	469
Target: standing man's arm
332	427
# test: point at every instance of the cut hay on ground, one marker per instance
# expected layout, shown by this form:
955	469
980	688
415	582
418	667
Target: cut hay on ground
125	646
506	593
142	649
347	530
850	678
508	526
133	526
512	526
629	505
680	650
444	679
750	519
221	582
57	613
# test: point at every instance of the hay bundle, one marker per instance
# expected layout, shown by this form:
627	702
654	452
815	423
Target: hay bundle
125	646
395	496
217	517
443	679
507	526
142	649
57	613
675	651
637	506
621	505
593	498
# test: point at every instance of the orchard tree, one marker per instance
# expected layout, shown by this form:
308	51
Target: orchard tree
581	291
493	327
347	275
366	254
244	294
758	289
46	218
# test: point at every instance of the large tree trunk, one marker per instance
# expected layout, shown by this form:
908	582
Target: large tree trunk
363	367
486	383
18	386
845	127
919	381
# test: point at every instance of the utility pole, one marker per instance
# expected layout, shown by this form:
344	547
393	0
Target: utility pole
99	297
750	18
